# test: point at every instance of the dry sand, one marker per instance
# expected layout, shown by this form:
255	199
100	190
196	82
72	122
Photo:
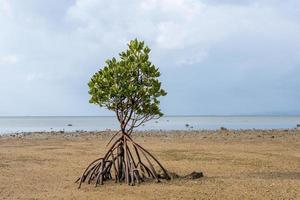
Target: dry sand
236	165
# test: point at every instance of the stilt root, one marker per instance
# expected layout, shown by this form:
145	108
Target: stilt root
125	161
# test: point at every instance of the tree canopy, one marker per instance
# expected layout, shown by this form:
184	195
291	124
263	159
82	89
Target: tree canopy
129	86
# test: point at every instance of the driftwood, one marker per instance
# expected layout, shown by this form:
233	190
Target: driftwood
125	161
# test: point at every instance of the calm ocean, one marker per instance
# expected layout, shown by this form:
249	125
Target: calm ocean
27	124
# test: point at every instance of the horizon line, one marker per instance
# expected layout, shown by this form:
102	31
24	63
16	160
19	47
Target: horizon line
215	115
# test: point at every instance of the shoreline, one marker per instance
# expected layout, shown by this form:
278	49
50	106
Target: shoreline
230	133
20	125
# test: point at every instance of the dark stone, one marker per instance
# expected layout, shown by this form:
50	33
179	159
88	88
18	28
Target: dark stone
69	125
298	125
223	129
194	175
173	175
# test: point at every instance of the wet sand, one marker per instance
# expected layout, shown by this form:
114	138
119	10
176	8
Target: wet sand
250	164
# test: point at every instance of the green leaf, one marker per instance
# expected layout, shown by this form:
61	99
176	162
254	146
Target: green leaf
128	82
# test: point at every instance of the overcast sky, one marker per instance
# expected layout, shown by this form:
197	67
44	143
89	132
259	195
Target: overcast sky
217	57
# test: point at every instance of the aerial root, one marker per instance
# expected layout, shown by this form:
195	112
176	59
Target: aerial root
125	161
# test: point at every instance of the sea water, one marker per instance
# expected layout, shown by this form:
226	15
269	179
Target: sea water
28	124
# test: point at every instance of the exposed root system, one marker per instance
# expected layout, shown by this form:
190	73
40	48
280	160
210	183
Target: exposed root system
125	161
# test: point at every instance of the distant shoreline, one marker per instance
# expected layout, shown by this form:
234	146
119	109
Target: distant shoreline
160	133
233	115
12	125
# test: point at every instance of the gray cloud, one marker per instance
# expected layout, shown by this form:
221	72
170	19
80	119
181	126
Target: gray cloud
217	57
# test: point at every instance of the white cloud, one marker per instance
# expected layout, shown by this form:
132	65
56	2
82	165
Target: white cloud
179	24
62	44
8	59
192	59
39	77
171	35
5	8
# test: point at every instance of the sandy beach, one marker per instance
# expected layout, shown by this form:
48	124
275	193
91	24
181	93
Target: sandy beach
250	164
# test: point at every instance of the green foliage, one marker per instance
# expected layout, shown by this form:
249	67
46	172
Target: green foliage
129	86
